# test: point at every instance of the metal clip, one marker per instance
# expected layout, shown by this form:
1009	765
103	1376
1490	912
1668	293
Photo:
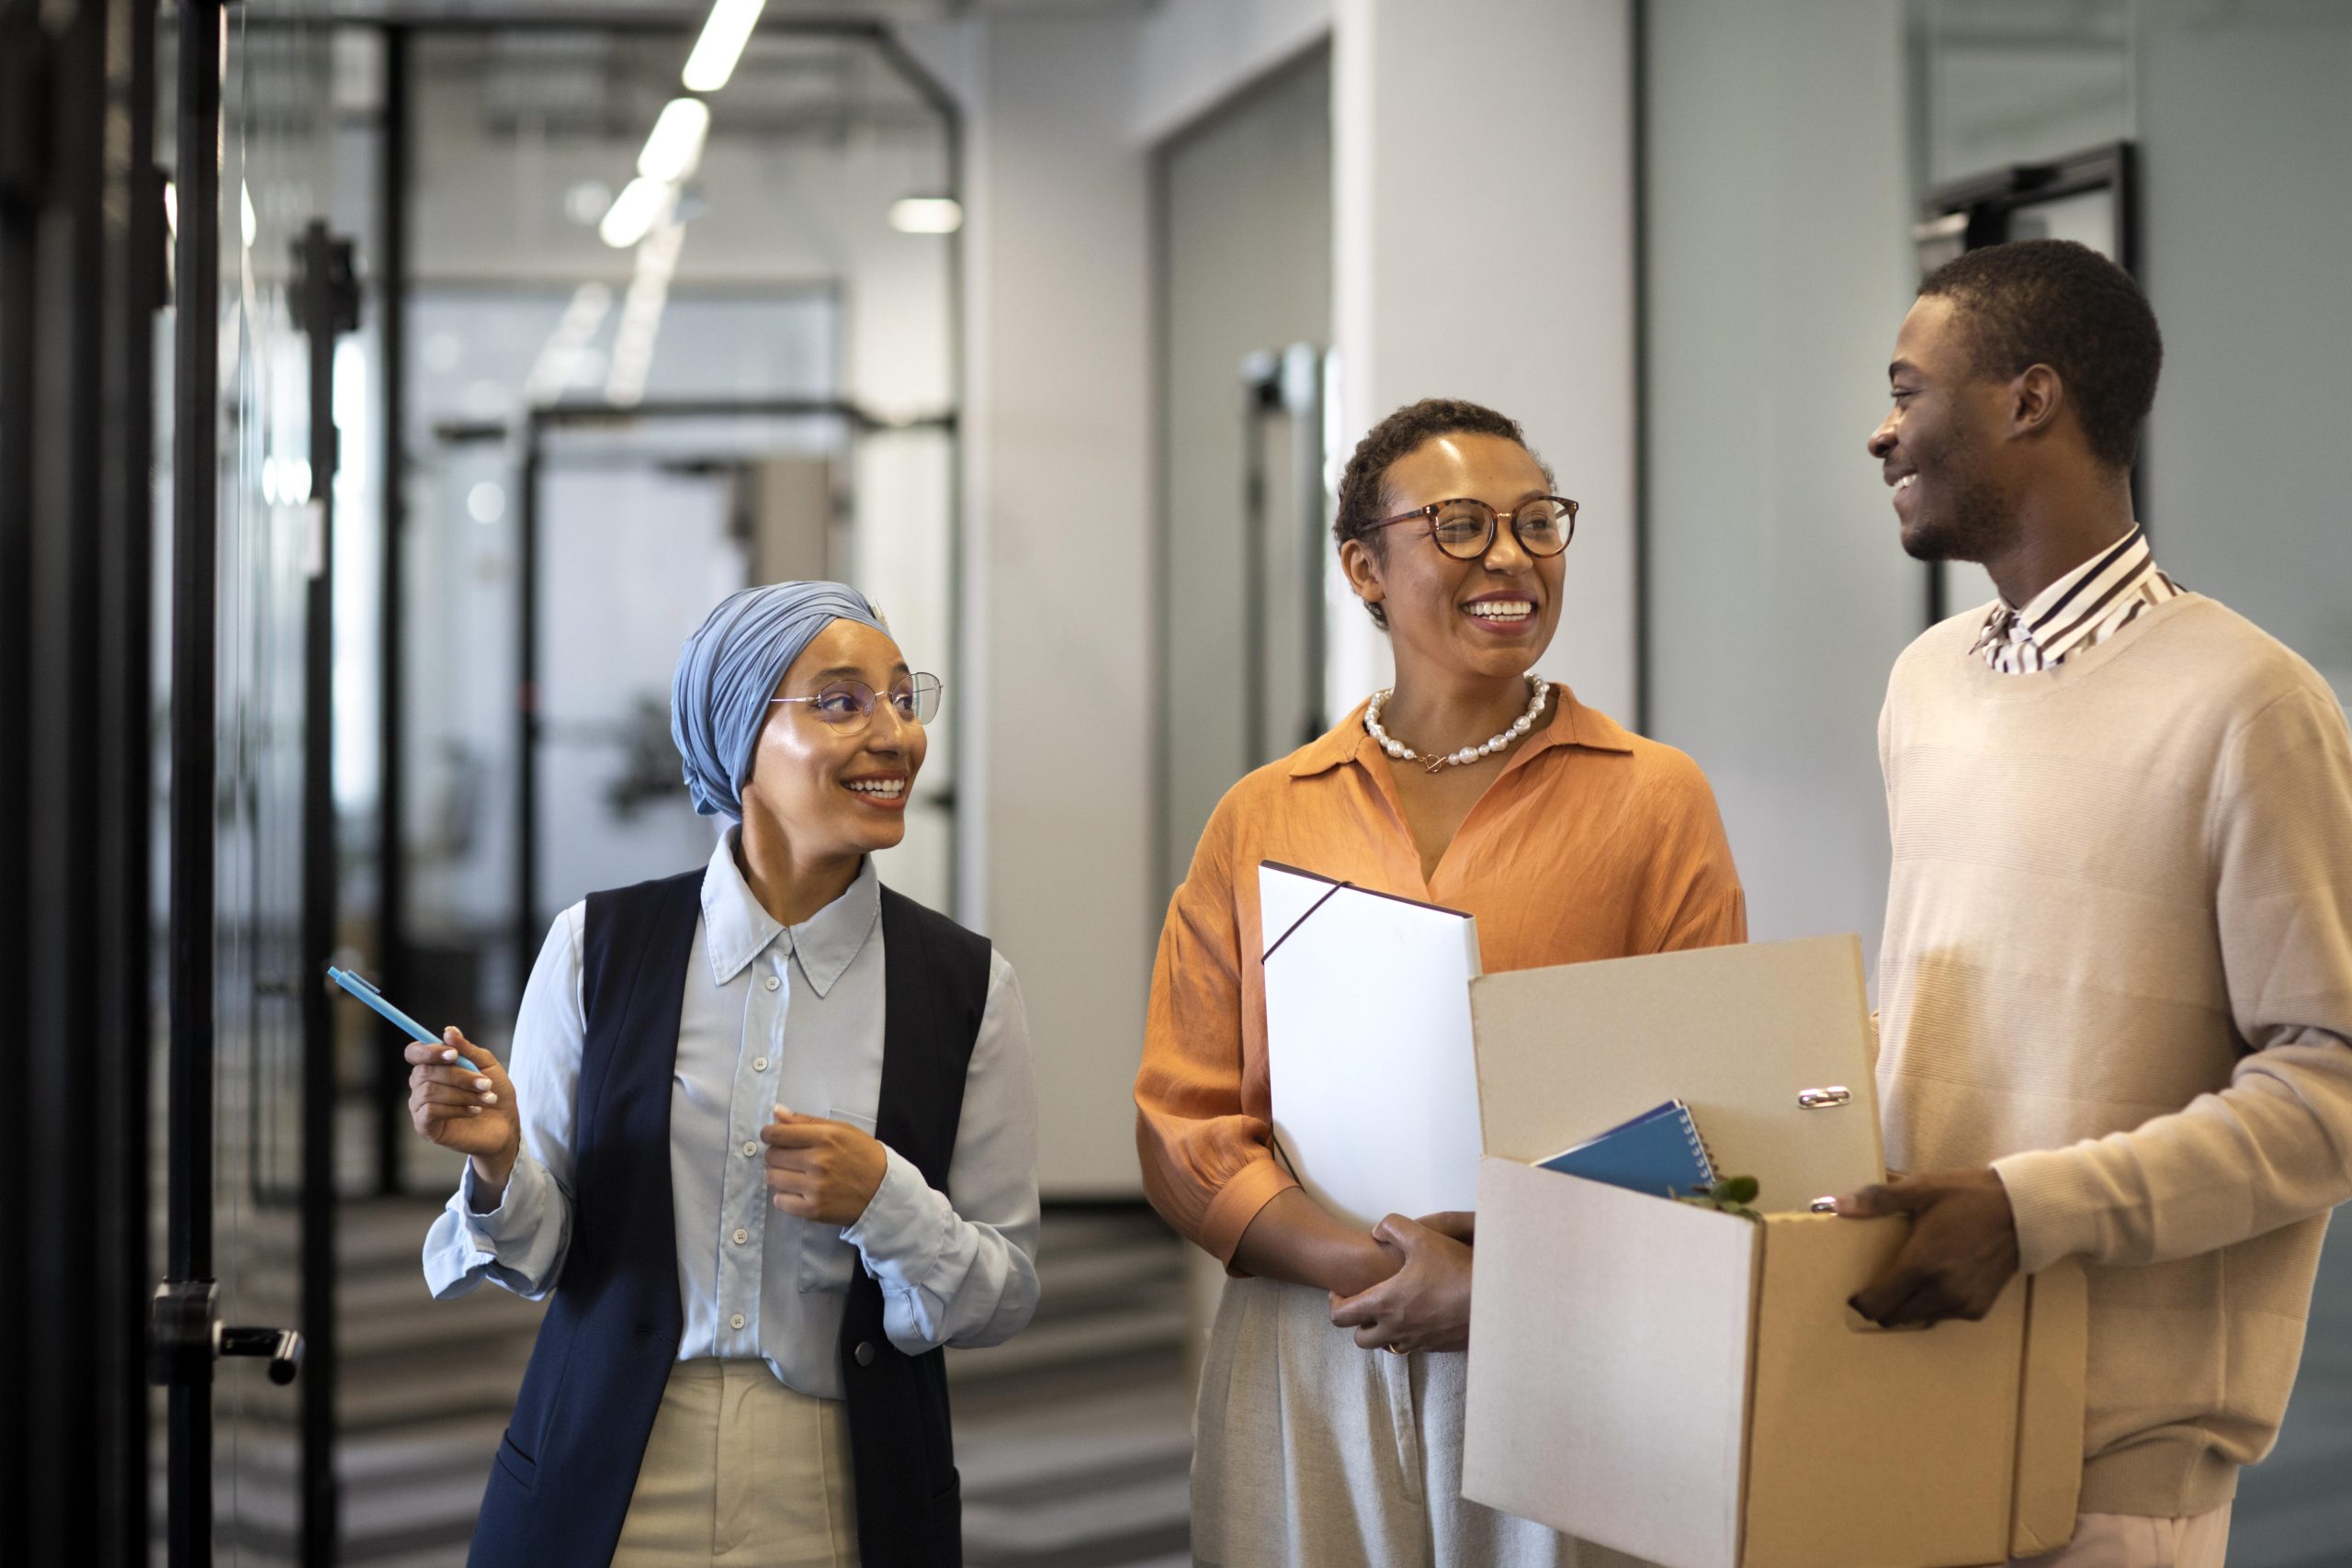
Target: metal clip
1821	1099
1823	1205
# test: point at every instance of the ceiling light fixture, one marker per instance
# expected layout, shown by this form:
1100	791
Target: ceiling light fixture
675	147
721	43
638	208
926	214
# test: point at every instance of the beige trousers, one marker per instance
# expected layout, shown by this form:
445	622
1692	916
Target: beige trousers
2129	1540
740	1472
1309	1452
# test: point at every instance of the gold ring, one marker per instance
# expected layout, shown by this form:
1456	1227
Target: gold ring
1394	1349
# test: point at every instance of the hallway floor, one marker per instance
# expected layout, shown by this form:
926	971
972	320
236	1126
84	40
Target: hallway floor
1074	1439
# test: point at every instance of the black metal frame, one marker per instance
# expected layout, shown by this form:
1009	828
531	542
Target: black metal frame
80	276
529	920
402	31
390	1104
326	305
1977	210
1289	384
195	607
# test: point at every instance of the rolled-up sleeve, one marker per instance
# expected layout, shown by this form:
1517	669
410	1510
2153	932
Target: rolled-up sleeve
520	1244
960	1268
1208	1166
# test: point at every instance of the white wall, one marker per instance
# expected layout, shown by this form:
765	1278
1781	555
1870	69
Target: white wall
1777	206
1483	222
1056	553
2247	161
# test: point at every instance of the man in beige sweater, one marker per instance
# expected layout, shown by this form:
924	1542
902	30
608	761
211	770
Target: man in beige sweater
2116	987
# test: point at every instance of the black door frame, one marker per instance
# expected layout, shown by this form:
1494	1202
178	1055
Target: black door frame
81	265
395	953
530	922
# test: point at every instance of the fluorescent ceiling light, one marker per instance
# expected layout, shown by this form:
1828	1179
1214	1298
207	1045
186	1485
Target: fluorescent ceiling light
926	214
675	145
635	211
721	44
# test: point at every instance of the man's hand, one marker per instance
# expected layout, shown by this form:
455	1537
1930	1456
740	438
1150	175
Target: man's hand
826	1171
1425	1305
1961	1251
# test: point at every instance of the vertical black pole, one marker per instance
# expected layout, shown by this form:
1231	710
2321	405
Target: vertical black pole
134	285
391	789
328	306
22	47
1303	393
1261	386
526	708
194	568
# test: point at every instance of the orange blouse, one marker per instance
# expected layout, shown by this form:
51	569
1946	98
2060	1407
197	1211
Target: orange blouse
1591	842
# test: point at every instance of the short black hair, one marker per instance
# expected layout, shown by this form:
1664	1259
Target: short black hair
1362	483
2061	304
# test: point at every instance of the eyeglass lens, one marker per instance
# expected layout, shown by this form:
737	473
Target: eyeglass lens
1466	528
849	704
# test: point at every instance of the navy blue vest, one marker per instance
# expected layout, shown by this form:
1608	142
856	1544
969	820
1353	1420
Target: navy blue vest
567	1466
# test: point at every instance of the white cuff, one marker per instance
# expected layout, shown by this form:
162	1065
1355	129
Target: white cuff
905	1228
519	1206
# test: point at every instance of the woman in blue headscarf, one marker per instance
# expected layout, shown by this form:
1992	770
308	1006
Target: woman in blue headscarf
769	1145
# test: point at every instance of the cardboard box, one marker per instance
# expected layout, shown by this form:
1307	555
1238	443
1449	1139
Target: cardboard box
1689	1386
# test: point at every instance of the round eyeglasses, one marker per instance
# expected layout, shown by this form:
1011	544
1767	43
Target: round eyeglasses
847	707
1465	528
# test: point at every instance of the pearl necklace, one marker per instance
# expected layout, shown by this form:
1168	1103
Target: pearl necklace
1468	754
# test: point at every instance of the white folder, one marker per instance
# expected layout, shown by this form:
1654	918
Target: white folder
1368	1045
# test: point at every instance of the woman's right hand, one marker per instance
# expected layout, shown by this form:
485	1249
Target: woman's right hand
459	1098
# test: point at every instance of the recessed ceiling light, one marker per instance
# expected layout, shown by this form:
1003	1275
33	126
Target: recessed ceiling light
926	214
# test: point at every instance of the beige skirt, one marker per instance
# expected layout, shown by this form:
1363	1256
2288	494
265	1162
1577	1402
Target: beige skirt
1309	1452
740	1472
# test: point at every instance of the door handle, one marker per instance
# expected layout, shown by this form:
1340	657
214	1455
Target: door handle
185	1335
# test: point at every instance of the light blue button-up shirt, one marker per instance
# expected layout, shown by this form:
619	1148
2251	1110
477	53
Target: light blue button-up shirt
775	1016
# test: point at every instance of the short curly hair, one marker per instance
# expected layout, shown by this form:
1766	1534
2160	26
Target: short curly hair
2058	303
1363	482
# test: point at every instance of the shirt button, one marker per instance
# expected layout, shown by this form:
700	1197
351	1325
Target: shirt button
742	1237
759	1063
750	1148
864	1354
773	982
735	1321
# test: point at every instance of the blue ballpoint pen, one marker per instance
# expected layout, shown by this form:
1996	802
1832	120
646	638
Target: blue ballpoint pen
366	993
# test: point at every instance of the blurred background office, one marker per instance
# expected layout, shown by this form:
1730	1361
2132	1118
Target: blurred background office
387	386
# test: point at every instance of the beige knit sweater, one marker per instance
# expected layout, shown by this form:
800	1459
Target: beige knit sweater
2118	966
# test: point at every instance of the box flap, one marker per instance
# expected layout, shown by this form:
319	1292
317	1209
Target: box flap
2050	1417
1737	1032
1869	1448
1609	1352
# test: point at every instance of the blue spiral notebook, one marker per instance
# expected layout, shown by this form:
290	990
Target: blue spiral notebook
1658	1152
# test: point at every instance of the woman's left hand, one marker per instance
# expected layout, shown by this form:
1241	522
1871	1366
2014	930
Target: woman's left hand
826	1171
1425	1305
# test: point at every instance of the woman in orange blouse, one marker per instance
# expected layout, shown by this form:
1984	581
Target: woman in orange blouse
1329	1423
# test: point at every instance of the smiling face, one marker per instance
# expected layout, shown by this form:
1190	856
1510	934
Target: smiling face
1492	616
827	794
1941	446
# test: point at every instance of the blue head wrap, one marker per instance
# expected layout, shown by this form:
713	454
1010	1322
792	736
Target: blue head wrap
729	670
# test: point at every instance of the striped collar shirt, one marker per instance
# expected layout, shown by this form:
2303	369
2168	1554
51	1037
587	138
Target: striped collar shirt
2082	609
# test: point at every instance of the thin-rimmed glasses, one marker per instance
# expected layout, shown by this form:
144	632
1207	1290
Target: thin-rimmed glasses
1465	528
847	707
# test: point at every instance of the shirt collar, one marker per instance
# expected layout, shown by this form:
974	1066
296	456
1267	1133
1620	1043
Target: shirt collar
1571	724
2074	607
737	929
